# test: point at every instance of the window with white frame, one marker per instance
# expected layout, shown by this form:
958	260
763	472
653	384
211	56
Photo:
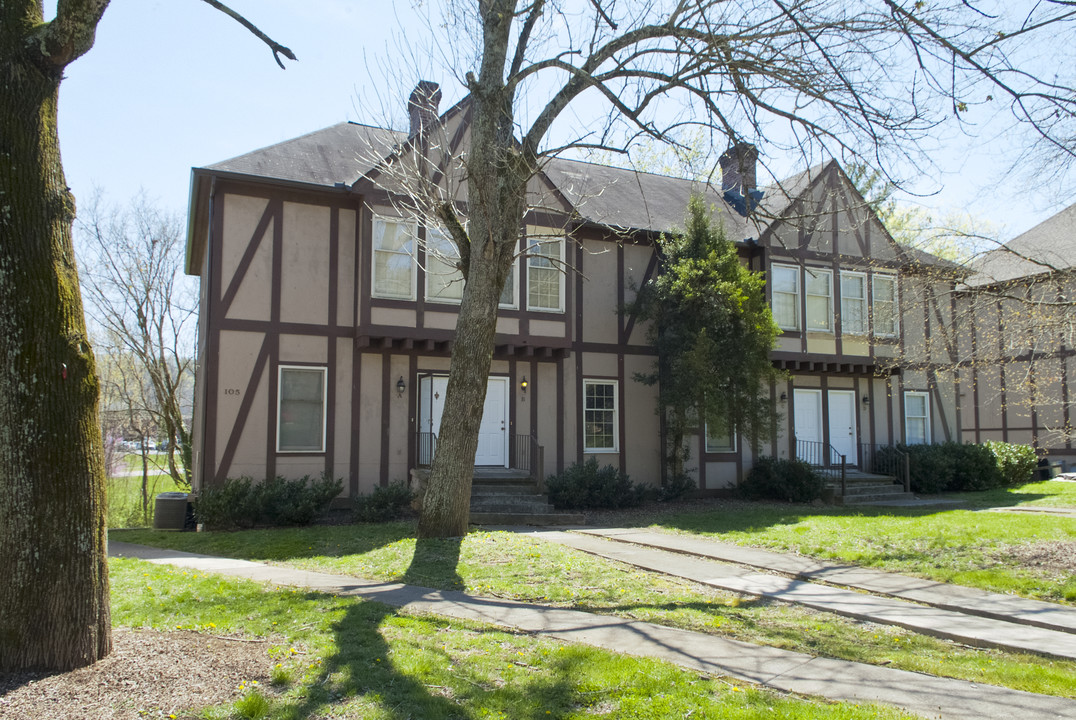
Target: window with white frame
301	409
720	440
916	418
600	416
853	303
885	305
545	280
785	296
819	291
394	267
444	280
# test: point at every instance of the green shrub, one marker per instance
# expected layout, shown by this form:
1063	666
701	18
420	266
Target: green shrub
384	503
584	486
1015	463
782	479
296	502
239	502
676	487
226	505
960	467
974	468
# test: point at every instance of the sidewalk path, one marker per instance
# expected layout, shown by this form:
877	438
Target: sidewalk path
925	695
708	562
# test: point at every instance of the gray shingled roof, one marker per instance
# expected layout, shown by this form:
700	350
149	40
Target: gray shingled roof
1049	246
631	200
341	153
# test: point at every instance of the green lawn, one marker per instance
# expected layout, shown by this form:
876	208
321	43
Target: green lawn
506	565
352	659
952	544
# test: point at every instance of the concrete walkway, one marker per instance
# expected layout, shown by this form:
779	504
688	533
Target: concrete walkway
924	695
965	615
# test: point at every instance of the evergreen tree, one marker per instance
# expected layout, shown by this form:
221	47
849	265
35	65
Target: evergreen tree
713	331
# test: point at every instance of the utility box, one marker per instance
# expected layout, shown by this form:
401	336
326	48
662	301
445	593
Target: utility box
170	511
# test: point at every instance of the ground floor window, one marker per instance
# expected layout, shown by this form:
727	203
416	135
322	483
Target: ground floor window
301	409
720	441
916	418
599	416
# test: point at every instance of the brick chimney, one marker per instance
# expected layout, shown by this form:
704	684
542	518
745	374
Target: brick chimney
738	177
422	107
738	168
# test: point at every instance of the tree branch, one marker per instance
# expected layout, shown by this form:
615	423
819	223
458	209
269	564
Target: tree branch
276	47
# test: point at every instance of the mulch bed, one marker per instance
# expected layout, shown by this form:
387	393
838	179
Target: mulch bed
149	674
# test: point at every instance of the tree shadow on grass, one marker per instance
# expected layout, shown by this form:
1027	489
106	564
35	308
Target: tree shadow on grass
435	564
430	668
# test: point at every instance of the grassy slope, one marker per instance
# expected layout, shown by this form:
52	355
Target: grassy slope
355	659
508	565
962	546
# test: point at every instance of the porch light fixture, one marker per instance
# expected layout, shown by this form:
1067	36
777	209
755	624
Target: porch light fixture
866	401
523	384
400	387
784	397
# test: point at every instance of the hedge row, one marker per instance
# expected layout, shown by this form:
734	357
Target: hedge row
240	502
959	467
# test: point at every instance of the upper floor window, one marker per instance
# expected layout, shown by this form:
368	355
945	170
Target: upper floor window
885	304
394	267
819	286
301	409
444	280
916	418
545	280
785	293
599	416
853	303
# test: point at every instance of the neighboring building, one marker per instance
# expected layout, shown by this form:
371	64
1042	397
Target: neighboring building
327	316
1017	318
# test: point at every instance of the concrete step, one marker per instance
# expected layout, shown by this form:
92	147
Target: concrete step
512	506
491	489
552	518
874	499
872	488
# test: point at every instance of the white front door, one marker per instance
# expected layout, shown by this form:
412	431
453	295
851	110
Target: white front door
493	432
842	426
808	415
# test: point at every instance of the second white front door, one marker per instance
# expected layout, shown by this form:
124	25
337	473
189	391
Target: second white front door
842	426
493	433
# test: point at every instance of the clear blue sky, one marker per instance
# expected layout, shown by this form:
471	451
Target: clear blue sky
172	84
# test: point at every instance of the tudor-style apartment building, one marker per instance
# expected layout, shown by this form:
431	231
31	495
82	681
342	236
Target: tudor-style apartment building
328	310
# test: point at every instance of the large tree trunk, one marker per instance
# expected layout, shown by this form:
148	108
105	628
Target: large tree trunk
54	610
496	187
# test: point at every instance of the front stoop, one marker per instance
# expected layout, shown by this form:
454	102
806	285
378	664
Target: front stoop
509	497
867	489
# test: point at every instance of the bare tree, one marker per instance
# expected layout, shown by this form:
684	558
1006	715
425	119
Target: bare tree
52	512
145	309
861	81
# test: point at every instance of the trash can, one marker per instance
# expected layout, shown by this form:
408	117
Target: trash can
170	511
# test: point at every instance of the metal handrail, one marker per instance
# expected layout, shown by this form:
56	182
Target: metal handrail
825	459
425	448
887	460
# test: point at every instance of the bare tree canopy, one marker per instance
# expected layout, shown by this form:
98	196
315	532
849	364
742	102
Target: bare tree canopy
862	81
143	308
